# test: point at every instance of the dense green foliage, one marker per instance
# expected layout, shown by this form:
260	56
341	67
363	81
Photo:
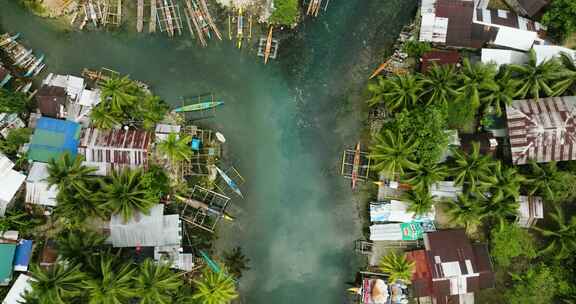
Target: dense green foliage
15	139
124	102
391	153
176	148
285	12
426	127
415	48
508	242
559	17
14	102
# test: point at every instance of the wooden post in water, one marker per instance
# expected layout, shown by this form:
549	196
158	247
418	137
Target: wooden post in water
268	45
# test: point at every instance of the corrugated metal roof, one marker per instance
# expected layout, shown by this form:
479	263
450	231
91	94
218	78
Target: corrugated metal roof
52	138
154	229
500	57
18	289
542	131
532	7
547	52
515	38
119	147
37	190
10	182
7	252
439	58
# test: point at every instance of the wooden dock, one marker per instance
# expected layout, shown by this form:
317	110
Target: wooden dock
152	25
209	19
140	16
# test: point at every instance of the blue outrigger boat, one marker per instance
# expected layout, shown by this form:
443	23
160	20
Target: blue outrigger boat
231	183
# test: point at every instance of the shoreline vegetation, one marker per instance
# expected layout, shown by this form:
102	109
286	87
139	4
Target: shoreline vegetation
428	123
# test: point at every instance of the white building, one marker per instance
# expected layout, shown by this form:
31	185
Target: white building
18	289
503	57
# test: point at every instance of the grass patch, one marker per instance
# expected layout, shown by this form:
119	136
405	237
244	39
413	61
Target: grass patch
498	4
285	12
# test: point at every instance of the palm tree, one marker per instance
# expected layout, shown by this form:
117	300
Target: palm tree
110	283
78	246
475	79
536	79
563	236
77	206
396	93
471	169
467	211
156	283
103	118
502	208
126	193
69	174
57	284
568	80
176	149
236	262
544	180
503	94
118	94
152	110
439	84
391	153
420	202
504	183
214	288
397	267
424	175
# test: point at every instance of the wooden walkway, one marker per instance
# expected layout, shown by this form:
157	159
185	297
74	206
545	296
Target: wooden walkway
152	25
140	16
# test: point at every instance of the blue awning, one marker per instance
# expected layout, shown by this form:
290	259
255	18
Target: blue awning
23	255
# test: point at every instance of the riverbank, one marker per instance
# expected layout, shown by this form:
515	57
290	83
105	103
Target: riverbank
288	123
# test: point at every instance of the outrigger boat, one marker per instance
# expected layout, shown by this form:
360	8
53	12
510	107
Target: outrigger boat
22	57
196	204
34	66
9	39
199	106
356	166
232	184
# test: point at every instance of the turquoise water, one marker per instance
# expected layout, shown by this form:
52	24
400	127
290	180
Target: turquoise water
286	125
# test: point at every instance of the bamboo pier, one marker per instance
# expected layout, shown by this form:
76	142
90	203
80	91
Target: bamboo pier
168	16
314	7
152	25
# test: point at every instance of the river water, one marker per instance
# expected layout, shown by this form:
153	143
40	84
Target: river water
286	124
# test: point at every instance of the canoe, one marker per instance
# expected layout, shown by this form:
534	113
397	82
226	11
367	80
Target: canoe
34	66
232	184
199	106
9	39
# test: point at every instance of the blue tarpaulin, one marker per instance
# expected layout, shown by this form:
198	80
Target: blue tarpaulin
52	138
23	255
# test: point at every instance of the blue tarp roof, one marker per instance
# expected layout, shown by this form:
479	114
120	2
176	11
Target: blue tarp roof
53	137
23	255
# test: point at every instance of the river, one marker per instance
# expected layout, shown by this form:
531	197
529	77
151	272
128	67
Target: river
286	124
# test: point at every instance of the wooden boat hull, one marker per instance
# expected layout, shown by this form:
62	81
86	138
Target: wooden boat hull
199	106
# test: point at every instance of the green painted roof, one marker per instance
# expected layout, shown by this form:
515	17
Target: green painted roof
7	252
52	138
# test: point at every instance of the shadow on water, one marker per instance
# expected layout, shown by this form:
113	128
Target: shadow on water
286	123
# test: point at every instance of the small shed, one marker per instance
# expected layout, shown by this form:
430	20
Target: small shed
52	101
18	289
429	59
52	138
10	182
153	229
7	251
530	211
22	255
38	191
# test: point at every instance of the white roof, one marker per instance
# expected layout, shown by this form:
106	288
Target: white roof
386	232
445	189
547	52
515	38
167	129
154	229
10	182
396	211
500	57
89	98
21	285
74	86
37	190
5	164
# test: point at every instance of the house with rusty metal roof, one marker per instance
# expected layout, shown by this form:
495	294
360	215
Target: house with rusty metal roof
450	269
528	8
542	131
108	150
463	24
